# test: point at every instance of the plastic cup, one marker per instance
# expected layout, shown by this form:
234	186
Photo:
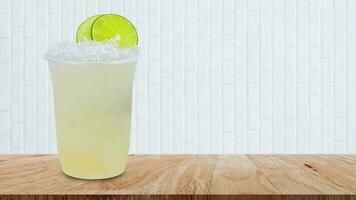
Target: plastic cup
92	103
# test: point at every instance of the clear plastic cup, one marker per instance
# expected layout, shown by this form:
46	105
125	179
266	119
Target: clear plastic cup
92	104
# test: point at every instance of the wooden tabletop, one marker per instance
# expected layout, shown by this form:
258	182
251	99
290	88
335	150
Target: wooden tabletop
198	176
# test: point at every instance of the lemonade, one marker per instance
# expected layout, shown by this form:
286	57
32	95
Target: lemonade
92	87
93	114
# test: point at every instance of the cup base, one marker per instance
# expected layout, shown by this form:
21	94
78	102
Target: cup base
86	177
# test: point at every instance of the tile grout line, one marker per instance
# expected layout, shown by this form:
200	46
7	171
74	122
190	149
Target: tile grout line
185	72
259	78
159	88
146	73
172	118
270	89
233	77
36	81
147	102
86	9
346	77
321	77
134	100
209	76
10	80
49	98
272	82
23	81
184	81
297	82
221	77
197	79
296	78
333	79
309	81
284	78
246	81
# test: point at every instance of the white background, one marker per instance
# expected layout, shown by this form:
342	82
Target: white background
215	76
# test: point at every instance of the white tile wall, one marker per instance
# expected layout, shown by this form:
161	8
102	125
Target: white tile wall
215	76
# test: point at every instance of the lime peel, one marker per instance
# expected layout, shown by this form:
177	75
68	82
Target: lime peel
106	27
111	26
84	29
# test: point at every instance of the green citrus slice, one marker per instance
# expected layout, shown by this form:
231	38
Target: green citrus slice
112	26
84	29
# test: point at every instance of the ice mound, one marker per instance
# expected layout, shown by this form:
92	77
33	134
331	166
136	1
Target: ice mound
90	51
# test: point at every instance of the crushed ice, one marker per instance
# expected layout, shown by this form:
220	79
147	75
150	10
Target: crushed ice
90	51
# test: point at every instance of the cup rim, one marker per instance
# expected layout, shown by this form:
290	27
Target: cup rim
60	61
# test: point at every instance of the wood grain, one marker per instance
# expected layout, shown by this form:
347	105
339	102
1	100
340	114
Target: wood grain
187	177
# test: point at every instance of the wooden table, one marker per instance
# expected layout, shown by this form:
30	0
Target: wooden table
187	177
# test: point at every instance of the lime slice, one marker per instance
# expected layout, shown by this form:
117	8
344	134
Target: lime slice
113	26
84	29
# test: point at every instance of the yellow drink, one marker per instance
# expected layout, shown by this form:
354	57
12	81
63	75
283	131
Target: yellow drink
93	116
